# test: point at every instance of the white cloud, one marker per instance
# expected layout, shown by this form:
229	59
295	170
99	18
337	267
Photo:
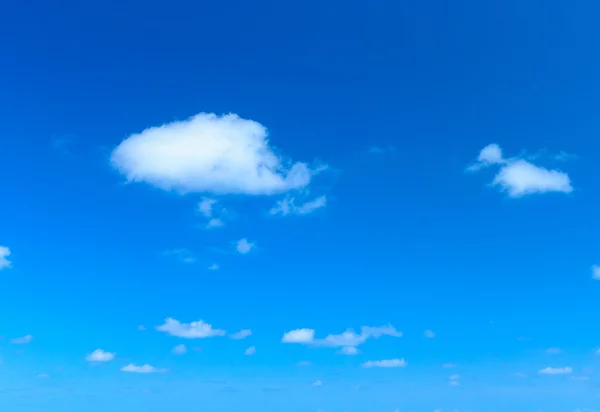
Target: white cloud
304	363
214	266
288	206
242	334
381	149
449	365
250	351
595	272
299	336
553	351
349	350
388	363
141	327
317	383
23	340
429	334
193	330
183	255
556	371
349	338
43	376
519	177
214	223
454	383
100	356
4	254
208	154
243	246
206	206
131	368
179	349
454	377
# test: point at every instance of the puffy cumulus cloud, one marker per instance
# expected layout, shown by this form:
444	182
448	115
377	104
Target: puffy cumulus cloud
4	254
179	349
193	330
519	177
596	272
250	351
299	336
213	212
348	338
556	371
208	153
288	206
387	363
242	334
132	368
23	340
100	356
243	246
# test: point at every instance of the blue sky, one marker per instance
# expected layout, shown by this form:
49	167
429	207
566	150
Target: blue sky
325	206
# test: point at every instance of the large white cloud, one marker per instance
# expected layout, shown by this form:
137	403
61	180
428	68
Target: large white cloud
4	254
208	153
193	330
519	177
346	339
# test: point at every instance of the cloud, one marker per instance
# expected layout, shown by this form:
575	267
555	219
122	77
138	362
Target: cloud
454	383
141	327
43	376
519	177
250	351
429	334
23	340
553	351
179	349
131	368
100	356
345	339
193	330
377	150
449	365
214	266
208	208
243	246
182	255
242	334
317	383
208	153
596	272
304	363
556	371
454	377
299	336
388	363
287	206
4	254
349	350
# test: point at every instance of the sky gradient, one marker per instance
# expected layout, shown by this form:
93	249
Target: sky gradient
328	206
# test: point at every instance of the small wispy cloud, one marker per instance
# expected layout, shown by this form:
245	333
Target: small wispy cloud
242	334
43	376
193	330
213	212
378	150
23	340
556	371
595	272
349	350
243	246
214	266
386	363
4	254
288	206
519	177
132	368
449	365
317	383
182	254
179	349
553	351
250	351
429	334
100	356
349	338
